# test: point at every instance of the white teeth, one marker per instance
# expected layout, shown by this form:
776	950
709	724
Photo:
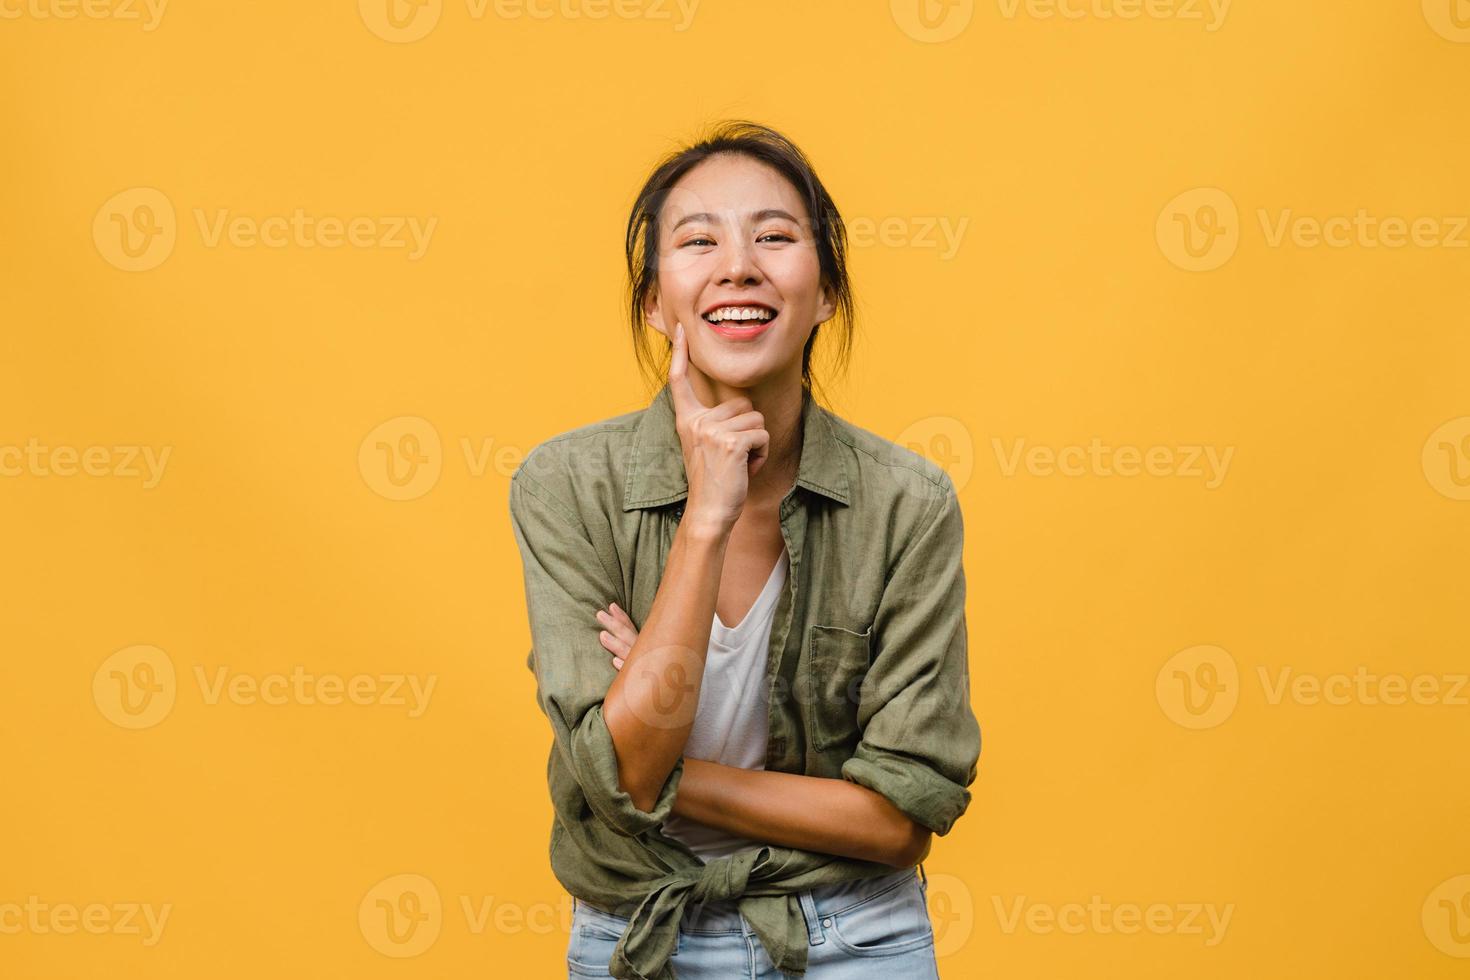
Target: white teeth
739	313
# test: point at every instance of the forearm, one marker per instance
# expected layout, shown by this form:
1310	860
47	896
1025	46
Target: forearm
650	706
813	813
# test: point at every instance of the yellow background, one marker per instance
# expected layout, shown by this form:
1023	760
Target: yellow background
1335	375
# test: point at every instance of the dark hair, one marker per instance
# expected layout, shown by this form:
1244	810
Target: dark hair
763	144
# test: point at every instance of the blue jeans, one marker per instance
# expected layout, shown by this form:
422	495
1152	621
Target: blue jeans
860	930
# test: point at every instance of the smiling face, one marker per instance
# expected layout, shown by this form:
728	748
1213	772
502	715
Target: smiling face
738	266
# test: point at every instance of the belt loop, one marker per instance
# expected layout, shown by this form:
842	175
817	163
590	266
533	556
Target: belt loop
814	933
924	877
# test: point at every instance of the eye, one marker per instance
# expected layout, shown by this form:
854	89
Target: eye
698	240
779	235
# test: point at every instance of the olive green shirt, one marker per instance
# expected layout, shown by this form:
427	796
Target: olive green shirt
867	670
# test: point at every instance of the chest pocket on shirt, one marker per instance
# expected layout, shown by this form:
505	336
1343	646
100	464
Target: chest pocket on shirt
836	666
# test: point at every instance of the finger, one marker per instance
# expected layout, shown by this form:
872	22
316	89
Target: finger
622	617
753	442
686	400
618	662
742	422
613	645
620	626
760	446
724	411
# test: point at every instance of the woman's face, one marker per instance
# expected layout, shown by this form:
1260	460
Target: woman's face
734	235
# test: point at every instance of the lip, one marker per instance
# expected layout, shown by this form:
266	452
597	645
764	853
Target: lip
730	329
731	332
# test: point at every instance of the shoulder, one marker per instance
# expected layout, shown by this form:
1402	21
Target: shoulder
884	473
590	459
901	505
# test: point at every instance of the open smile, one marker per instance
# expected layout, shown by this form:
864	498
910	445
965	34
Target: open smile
743	321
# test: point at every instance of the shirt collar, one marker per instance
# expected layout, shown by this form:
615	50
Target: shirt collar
656	472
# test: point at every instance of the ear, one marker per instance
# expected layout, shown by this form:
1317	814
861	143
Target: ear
827	308
653	315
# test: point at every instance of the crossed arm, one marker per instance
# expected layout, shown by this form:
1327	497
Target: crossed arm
832	816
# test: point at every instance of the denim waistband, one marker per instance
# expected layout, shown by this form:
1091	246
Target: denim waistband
826	900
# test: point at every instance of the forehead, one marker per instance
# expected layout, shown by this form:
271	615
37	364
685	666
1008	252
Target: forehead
732	187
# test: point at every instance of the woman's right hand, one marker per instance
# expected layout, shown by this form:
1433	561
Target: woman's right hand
723	446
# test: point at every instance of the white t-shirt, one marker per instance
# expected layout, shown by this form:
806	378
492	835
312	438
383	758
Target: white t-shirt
731	725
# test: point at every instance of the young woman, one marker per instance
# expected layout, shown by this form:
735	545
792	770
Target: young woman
747	614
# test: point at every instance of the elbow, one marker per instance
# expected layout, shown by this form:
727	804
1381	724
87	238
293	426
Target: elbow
635	777
642	786
644	797
911	842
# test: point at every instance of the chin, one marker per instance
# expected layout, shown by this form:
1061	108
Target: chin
739	379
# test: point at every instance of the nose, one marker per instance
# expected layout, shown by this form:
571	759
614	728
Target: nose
738	266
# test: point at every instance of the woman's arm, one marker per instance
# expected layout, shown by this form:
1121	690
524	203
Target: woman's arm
808	812
650	706
813	813
651	703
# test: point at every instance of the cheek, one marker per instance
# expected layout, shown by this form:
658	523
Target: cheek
681	279
796	273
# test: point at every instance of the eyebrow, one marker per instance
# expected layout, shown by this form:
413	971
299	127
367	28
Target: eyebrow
758	216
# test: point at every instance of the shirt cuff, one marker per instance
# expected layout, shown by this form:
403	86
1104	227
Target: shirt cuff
910	784
595	760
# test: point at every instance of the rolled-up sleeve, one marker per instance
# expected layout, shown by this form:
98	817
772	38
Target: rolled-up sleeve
920	741
566	583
